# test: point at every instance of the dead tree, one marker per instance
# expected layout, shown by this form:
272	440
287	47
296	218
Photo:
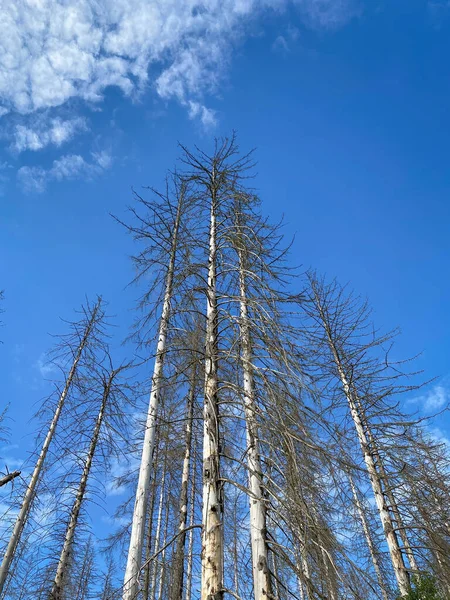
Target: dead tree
153	228
341	324
84	333
65	558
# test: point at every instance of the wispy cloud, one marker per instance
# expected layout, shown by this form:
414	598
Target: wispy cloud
283	43
439	436
327	13
435	398
44	366
55	51
118	469
70	166
40	134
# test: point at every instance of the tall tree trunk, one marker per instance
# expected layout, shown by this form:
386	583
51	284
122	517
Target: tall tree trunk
162	570
212	526
158	530
176	592
191	531
258	526
369	540
276	578
57	592
301	592
398	564
29	494
134	558
149	565
392	502
235	548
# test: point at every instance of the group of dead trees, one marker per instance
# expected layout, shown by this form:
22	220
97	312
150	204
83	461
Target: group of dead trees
275	457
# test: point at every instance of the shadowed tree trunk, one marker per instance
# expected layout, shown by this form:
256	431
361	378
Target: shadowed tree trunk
176	592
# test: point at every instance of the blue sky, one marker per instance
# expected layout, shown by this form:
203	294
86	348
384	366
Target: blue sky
346	102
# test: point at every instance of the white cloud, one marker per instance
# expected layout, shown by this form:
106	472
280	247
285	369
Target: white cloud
118	469
438	436
70	166
42	133
206	115
283	43
53	51
45	367
326	13
435	398
280	44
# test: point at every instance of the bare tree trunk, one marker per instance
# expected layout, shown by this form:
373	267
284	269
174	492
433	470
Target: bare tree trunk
369	541
191	533
301	592
398	564
393	503
57	592
134	558
29	494
235	548
158	530
258	526
276	578
162	570
149	565
212	530
178	562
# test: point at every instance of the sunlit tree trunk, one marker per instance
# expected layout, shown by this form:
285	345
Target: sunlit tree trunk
212	525
134	558
258	525
393	503
398	564
29	494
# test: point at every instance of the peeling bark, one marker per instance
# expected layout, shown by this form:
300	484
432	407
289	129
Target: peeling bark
258	524
212	530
